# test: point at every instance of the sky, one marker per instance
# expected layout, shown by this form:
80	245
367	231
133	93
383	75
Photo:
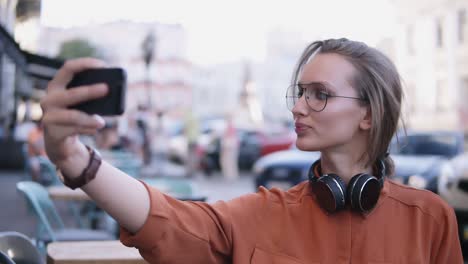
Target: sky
240	26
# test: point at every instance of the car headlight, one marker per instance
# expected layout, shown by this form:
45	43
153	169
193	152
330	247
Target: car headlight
417	181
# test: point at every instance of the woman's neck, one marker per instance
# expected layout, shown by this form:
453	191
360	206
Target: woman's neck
344	165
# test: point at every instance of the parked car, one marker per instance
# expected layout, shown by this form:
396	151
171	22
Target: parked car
284	169
253	144
177	149
454	189
420	158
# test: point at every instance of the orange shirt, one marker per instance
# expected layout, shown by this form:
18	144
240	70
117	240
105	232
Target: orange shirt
273	226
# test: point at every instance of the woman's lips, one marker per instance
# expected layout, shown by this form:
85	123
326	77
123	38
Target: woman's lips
300	128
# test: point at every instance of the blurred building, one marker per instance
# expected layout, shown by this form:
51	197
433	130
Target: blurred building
249	112
432	56
23	78
23	74
216	88
120	43
283	50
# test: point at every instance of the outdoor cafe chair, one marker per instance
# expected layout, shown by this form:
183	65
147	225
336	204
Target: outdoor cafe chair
181	189
4	259
50	225
48	175
125	161
20	248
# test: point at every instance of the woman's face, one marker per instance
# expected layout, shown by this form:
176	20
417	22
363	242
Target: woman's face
342	120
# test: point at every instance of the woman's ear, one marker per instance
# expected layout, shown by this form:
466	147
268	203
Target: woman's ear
366	122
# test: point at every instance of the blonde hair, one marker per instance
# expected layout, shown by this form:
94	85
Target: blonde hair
377	81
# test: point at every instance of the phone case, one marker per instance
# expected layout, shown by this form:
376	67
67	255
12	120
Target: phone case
114	102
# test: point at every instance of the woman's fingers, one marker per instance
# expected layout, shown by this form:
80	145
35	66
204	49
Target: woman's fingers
65	98
70	68
86	131
66	117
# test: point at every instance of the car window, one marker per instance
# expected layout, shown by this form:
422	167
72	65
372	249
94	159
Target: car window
426	144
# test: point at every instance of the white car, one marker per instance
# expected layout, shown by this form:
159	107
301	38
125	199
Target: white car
453	187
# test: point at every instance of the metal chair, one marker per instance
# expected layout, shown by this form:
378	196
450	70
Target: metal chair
48	175
124	161
20	248
4	259
181	189
50	225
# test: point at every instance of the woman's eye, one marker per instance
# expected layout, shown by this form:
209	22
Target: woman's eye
321	95
300	92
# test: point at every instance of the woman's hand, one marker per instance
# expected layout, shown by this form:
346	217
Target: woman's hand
62	125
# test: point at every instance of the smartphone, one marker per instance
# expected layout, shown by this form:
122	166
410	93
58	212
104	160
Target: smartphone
114	102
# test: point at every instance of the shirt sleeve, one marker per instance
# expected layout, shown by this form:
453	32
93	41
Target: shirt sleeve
446	246
193	232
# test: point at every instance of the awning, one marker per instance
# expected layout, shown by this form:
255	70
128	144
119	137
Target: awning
42	67
9	46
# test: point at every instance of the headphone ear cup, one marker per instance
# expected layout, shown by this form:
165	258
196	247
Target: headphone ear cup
331	192
363	192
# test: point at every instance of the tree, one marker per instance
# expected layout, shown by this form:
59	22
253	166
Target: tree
77	48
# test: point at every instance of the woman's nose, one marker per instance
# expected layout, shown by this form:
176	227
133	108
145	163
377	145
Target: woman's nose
301	107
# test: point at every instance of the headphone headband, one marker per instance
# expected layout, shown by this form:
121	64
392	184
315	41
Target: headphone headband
315	171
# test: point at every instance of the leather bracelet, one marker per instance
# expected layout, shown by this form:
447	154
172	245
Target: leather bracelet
88	174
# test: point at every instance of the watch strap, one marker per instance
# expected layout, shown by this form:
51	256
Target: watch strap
88	174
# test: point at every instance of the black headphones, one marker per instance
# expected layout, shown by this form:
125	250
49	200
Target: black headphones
362	192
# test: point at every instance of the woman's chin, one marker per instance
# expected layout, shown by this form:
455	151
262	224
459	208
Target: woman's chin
306	147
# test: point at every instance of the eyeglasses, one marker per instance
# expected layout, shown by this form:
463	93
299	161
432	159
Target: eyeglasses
316	95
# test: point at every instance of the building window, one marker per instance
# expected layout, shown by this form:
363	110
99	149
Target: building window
410	40
461	25
439	34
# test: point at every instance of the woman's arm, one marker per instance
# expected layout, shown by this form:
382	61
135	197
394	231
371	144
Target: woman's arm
123	197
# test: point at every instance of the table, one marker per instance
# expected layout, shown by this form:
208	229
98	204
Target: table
67	194
92	252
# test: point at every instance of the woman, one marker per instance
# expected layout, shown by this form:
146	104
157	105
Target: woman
345	98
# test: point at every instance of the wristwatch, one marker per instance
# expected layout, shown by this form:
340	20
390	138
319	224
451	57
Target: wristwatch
88	174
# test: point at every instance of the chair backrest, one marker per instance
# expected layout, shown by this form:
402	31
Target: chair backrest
4	259
124	161
38	198
24	151
20	248
177	187
48	173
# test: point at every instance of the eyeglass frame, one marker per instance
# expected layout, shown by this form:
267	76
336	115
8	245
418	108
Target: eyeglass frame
327	95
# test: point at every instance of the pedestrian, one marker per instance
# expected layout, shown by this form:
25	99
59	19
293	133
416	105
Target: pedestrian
36	151
191	132
229	153
142	121
345	99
